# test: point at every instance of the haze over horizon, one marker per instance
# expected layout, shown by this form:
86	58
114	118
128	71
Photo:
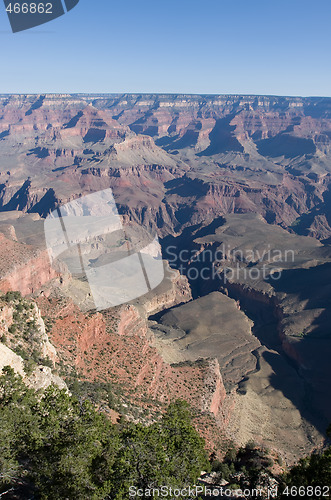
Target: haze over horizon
130	47
189	94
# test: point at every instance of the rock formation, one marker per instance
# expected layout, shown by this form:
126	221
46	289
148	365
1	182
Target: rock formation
250	174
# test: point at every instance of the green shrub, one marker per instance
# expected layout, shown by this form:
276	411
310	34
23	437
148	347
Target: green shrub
12	296
61	447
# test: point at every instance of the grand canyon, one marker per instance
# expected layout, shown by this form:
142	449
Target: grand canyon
238	190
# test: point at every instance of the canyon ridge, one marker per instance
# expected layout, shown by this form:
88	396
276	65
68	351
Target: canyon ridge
238	190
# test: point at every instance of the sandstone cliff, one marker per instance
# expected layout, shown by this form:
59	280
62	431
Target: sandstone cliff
24	344
23	268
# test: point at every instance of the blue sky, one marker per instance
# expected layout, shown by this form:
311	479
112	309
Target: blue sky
211	46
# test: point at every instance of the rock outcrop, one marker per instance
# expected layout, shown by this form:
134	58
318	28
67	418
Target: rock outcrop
23	268
41	377
22	329
214	395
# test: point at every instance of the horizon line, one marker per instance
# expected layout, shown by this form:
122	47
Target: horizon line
190	94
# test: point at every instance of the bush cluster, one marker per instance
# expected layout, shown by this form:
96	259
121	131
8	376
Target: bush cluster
54	446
